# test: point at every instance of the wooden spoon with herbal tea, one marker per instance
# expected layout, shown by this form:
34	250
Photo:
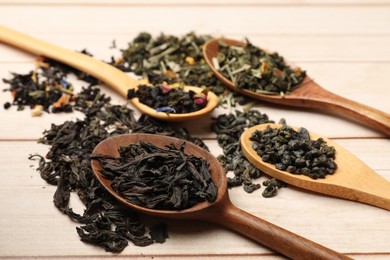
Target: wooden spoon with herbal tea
352	179
307	94
221	210
108	74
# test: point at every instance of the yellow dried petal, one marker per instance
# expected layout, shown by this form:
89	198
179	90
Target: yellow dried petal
190	60
263	67
144	81
170	74
37	110
299	71
34	77
118	61
39	63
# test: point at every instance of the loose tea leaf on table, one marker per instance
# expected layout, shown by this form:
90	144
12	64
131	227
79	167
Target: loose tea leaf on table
67	164
159	178
105	223
252	68
46	88
229	129
40	89
294	151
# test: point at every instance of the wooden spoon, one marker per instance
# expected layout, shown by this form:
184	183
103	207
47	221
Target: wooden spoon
222	211
353	179
110	75
309	94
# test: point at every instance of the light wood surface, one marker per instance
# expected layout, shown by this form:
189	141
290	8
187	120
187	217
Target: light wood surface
308	94
109	75
343	45
352	180
220	211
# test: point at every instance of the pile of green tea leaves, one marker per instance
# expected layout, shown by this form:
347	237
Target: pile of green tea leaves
252	68
294	151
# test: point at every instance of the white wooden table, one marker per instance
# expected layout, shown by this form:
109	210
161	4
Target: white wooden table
344	46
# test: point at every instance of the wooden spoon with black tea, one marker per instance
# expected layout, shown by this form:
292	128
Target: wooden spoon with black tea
108	74
308	94
221	211
352	180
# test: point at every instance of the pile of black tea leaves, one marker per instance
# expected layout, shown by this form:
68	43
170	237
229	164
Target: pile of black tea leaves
169	98
175	60
294	151
252	68
67	166
164	178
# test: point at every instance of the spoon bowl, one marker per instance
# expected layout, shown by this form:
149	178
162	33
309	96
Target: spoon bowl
221	211
353	179
308	95
111	145
108	74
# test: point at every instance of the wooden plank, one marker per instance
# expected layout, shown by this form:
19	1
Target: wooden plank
370	20
345	79
195	2
342	44
33	226
297	48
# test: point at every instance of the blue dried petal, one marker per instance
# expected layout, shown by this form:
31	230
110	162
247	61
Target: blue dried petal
166	109
64	83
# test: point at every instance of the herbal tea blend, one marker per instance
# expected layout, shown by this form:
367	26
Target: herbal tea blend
170	99
174	60
159	178
252	68
294	151
46	88
43	89
168	58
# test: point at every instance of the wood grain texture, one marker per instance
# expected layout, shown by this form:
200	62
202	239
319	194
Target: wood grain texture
342	44
352	180
220	211
308	94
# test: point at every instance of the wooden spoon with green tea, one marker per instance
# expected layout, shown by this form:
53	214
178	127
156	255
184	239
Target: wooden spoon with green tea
308	94
221	211
108	74
352	180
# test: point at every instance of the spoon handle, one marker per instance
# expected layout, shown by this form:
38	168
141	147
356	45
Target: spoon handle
317	97
101	70
274	237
